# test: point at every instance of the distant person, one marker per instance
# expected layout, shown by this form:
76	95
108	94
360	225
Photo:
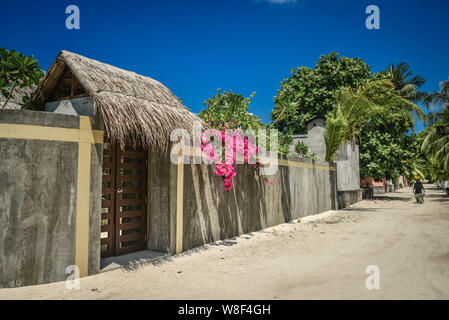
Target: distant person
418	190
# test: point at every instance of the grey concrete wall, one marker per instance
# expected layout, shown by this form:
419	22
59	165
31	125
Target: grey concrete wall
314	138
95	208
38	118
347	198
348	175
160	192
378	189
211	213
443	185
346	158
295	139
348	167
37	210
38	192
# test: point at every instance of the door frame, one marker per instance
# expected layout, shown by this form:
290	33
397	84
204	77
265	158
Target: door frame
114	202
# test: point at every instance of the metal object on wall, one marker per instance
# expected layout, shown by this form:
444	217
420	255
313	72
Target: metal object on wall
79	106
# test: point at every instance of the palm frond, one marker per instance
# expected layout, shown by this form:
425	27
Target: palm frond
334	133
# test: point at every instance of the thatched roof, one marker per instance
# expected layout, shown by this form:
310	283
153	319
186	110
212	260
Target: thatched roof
133	107
15	102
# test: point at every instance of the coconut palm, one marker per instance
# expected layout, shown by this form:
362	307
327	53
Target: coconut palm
436	142
408	86
438	99
370	104
405	82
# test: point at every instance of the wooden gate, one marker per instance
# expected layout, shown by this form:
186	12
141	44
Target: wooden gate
124	202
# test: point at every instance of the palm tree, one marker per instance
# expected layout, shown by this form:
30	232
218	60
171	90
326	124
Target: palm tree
438	99
369	105
408	86
436	142
405	82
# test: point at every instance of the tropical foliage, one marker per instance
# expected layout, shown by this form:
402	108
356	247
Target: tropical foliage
230	109
436	142
17	71
405	82
386	154
223	139
421	163
311	92
369	106
376	110
301	148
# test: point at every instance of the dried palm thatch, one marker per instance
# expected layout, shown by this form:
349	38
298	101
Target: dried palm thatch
15	102
134	108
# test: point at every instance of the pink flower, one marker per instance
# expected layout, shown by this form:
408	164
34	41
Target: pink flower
221	170
227	184
234	145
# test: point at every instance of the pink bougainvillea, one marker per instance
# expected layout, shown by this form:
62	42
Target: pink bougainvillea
233	145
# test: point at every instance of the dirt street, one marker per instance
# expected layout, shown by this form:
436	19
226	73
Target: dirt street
322	259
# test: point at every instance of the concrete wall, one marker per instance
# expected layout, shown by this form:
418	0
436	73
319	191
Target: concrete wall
210	213
444	185
378	189
39	161
348	170
349	197
346	158
314	138
348	175
96	185
161	190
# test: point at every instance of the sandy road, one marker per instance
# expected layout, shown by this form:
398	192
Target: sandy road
325	259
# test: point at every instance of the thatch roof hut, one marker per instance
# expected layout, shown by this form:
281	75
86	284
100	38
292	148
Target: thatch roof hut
15	102
133	107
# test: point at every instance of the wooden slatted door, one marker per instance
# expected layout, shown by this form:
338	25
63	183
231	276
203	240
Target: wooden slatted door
124	199
130	200
108	201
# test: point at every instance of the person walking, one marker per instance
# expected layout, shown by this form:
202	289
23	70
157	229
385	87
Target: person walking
418	190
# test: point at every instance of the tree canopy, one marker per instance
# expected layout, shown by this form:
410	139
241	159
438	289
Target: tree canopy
376	110
360	114
436	142
386	151
17	71
311	92
230	108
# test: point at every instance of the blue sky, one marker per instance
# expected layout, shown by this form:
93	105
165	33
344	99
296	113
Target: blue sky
195	47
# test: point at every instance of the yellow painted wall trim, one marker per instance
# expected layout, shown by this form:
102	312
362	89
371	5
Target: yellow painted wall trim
85	140
26	131
82	208
297	164
85	123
